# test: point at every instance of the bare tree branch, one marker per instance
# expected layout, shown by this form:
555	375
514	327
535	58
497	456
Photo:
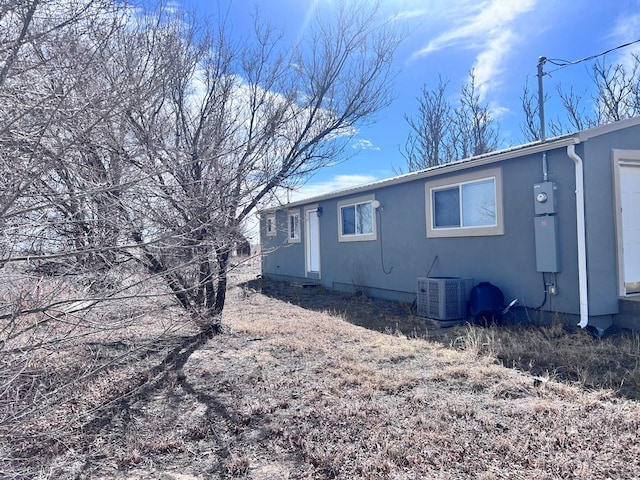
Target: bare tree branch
443	133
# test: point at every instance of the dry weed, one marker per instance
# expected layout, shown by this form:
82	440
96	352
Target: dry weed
573	356
293	393
237	465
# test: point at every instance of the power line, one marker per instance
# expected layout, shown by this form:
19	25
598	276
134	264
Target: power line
565	63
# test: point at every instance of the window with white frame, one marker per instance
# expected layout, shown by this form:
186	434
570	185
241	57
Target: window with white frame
271	225
356	219
465	205
293	223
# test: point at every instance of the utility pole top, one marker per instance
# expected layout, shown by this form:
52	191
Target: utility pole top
541	61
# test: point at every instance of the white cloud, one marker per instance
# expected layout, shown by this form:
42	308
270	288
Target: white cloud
626	30
409	14
490	28
497	110
431	11
364	144
338	182
489	62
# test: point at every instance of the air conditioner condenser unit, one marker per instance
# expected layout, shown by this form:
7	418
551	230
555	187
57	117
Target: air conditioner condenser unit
443	298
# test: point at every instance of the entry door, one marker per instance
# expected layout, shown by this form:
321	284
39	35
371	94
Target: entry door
630	223
312	243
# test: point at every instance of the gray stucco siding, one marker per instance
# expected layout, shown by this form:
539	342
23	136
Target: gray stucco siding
389	265
507	261
280	257
401	234
600	213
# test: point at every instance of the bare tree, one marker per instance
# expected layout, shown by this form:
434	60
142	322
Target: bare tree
615	97
428	143
616	90
133	146
577	117
237	122
475	131
29	95
54	97
443	132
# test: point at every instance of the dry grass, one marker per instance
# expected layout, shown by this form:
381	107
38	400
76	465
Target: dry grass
571	356
291	393
554	351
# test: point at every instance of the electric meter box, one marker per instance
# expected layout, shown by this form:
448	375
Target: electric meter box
544	198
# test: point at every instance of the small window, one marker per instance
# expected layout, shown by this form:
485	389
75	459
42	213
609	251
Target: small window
271	225
294	226
465	205
357	220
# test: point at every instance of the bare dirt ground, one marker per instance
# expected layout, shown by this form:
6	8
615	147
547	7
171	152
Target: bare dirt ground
292	393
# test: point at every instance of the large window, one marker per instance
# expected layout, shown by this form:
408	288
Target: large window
465	205
294	226
356	219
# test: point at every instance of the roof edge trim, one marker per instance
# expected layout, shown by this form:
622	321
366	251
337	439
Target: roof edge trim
471	162
485	159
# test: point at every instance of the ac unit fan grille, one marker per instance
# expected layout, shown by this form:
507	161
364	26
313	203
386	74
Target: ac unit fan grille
443	298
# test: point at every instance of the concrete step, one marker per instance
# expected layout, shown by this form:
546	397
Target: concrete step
628	313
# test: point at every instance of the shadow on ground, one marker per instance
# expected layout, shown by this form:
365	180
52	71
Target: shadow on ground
357	309
551	350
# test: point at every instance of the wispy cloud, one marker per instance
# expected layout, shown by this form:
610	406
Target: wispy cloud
627	29
364	144
490	27
409	14
489	62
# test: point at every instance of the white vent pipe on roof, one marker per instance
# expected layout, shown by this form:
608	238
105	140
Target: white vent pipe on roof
581	236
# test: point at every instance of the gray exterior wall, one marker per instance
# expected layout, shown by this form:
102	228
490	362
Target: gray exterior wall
278	256
600	213
508	261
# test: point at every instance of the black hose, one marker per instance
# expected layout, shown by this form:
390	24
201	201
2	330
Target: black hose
381	249
544	289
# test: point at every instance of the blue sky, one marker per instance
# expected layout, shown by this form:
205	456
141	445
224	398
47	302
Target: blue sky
500	39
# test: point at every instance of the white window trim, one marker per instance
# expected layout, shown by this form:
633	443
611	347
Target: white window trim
271	217
357	237
453	181
297	238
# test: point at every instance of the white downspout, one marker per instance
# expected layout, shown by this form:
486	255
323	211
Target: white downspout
582	237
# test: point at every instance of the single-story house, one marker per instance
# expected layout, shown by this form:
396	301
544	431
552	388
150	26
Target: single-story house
554	224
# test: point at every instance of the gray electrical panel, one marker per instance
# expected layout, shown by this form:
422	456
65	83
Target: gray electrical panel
546	236
544	195
546	227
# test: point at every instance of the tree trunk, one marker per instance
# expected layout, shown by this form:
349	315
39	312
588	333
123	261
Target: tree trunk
221	293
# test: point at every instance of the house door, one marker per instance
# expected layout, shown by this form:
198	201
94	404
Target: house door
312	243
630	225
